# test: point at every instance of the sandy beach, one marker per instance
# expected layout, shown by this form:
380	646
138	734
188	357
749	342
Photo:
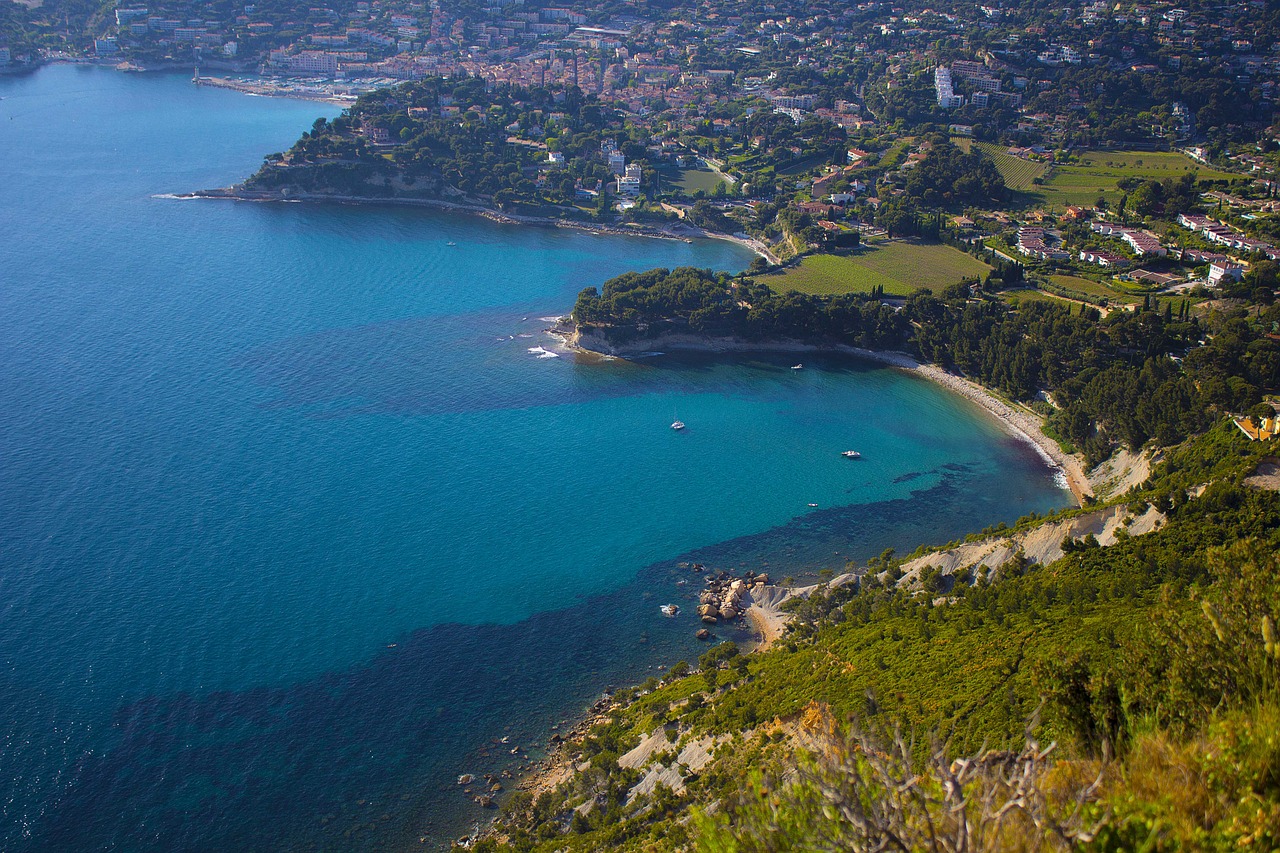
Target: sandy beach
1018	420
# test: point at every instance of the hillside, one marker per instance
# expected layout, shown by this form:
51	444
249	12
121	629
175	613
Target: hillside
1123	693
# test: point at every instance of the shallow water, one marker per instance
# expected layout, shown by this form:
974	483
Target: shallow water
300	513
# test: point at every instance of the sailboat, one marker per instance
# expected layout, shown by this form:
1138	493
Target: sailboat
676	424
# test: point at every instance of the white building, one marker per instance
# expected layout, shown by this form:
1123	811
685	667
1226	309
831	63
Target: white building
947	96
629	183
1220	270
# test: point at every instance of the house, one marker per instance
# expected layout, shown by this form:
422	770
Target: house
377	135
1031	243
629	183
1144	244
1267	429
1102	259
815	208
1219	270
1196	256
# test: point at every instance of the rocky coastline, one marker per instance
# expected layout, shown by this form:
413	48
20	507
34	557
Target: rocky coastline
675	231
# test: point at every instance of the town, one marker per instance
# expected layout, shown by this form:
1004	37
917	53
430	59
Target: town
1106	155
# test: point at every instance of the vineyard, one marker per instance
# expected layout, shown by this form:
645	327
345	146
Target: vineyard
1019	175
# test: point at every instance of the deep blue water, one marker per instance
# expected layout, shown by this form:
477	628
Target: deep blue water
298	517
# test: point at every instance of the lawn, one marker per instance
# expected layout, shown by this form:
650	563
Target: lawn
1093	288
692	180
900	268
1096	173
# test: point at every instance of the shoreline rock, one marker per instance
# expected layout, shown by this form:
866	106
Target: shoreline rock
680	232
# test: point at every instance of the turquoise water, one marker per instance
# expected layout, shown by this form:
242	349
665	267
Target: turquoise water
299	514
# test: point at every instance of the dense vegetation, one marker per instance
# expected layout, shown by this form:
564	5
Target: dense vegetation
692	300
1123	380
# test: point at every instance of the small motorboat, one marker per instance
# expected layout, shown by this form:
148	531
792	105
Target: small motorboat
813	505
851	454
797	367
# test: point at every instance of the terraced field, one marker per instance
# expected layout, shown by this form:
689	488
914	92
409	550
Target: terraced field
900	268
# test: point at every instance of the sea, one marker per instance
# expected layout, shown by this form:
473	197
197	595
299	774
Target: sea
303	514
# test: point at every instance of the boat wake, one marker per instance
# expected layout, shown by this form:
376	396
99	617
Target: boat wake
539	352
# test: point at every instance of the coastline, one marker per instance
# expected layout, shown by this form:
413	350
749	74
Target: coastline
678	231
1018	421
272	89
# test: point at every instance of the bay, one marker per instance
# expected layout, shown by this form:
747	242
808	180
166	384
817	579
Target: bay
302	510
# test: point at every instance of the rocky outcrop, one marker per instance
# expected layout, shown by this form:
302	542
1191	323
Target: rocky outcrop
1041	544
693	756
1124	470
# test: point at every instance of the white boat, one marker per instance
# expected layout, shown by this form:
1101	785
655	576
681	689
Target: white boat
797	367
851	454
677	425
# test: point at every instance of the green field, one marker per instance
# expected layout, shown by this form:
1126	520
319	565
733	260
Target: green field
692	180
900	268
1093	288
1013	297
1097	172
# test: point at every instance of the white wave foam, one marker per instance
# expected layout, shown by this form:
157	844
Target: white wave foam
542	353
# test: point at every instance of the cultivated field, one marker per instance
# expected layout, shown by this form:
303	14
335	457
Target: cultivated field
1013	297
1097	173
900	268
1018	174
1093	288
